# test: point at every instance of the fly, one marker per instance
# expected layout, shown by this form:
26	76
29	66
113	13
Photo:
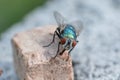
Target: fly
66	32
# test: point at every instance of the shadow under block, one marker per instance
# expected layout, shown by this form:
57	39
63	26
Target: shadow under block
32	61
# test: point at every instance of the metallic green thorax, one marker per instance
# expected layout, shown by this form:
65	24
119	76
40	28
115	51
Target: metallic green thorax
69	32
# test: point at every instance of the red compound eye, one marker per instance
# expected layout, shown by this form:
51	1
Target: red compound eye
63	41
73	43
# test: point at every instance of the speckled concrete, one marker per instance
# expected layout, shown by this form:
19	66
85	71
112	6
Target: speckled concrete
96	57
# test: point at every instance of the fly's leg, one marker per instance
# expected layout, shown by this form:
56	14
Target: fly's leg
69	53
62	51
70	50
52	40
58	34
57	50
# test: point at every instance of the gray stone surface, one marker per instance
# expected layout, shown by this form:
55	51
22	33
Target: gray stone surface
97	55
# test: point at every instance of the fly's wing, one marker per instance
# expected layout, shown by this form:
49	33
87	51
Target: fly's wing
78	25
59	19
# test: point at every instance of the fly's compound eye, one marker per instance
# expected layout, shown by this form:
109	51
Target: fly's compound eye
63	41
73	43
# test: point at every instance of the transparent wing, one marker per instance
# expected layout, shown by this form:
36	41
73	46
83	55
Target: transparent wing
59	19
78	25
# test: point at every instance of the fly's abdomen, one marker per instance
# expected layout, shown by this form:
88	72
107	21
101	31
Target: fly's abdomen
69	32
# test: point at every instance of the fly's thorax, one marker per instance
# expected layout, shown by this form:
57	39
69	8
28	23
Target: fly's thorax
69	32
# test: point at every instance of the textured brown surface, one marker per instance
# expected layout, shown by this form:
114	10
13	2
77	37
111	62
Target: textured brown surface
33	61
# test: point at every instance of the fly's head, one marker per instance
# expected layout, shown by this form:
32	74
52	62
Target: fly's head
68	43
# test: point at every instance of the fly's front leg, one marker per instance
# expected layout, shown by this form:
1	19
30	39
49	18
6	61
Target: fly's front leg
52	40
72	48
57	31
62	51
57	50
70	51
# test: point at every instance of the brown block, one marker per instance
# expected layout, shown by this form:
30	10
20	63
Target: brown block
34	62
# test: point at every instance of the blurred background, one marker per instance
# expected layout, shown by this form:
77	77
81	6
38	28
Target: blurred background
14	10
96	57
